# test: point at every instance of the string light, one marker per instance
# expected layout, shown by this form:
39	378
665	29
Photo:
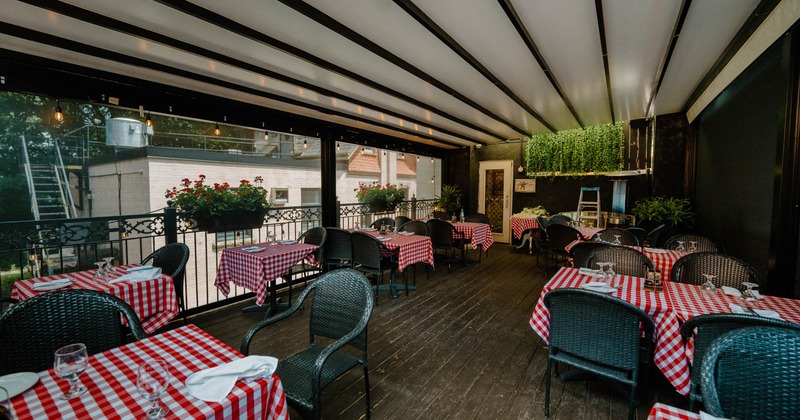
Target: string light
305	143
417	158
149	120
59	113
216	129
402	156
432	180
266	135
338	146
431	160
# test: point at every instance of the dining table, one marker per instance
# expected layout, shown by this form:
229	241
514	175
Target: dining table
408	249
479	234
662	259
153	300
520	224
661	411
110	379
257	268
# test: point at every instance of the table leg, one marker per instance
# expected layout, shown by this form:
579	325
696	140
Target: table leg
273	306
394	287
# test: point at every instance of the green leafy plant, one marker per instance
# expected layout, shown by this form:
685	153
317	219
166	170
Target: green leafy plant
595	149
669	210
377	193
450	198
198	199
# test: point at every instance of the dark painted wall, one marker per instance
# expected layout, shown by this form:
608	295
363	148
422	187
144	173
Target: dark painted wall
672	133
738	140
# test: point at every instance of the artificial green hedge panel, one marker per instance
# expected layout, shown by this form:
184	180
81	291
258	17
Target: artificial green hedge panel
593	149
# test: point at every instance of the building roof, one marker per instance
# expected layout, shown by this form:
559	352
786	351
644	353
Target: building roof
364	162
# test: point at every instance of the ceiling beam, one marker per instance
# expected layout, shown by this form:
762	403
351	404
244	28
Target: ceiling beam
409	7
598	6
515	19
136	31
70	45
247	32
676	33
364	42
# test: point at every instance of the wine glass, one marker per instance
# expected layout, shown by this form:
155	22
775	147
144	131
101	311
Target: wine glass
109	261
151	381
709	286
598	237
681	247
749	294
100	274
271	238
70	361
610	273
6	411
617	240
601	275
692	246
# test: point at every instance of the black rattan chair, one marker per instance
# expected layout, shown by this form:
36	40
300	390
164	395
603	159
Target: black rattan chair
730	271
541	236
442	215
371	256
599	334
558	237
704	244
560	219
400	221
388	221
32	330
610	235
580	252
6	302
445	236
627	261
707	328
304	271
753	373
172	259
341	306
338	252
639	233
654	235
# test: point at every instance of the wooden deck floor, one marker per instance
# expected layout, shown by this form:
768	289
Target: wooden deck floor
458	347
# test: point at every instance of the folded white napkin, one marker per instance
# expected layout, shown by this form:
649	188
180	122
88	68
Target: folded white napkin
368	229
52	285
405	233
706	416
731	291
214	384
601	287
589	271
766	313
138	268
139	275
253	249
656	250
383	238
286	242
737	309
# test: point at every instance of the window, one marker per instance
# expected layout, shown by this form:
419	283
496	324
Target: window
280	195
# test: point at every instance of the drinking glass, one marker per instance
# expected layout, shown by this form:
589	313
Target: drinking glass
680	247
6	411
610	273
151	381
749	292
617	240
601	275
709	286
271	238
598	238
100	274
110	268
70	361
692	246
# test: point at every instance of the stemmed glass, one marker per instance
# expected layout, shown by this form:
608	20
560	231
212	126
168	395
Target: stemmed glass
109	261
70	361
692	246
271	238
100	275
6	411
709	286
598	238
610	273
617	240
602	273
152	380
749	292
680	247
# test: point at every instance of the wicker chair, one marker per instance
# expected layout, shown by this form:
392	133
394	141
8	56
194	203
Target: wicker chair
6	302
388	221
639	233
442	215
580	252
704	244
654	235
627	261
337	253
341	306
707	328
303	271
172	259
480	218
558	237
625	237
400	221
34	329
753	373
600	334
541	236
371	256
560	219
445	236
730	271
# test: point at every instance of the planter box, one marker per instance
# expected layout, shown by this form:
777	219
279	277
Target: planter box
232	220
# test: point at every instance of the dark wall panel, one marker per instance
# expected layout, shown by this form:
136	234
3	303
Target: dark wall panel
738	139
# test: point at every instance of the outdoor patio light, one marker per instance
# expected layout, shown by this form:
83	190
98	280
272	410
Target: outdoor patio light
149	121
59	113
338	146
266	135
305	143
216	129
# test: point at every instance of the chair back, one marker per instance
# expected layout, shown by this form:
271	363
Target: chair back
388	221
654	235
753	373
559	236
315	236
478	218
337	245
442	215
560	219
542	224
34	329
580	252
342	303
366	251
597	327
638	232
172	259
417	227
707	328
627	261
730	271
704	244
441	232
625	237
400	221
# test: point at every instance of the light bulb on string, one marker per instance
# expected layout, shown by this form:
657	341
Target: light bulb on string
59	113
266	135
216	129
305	143
148	121
338	146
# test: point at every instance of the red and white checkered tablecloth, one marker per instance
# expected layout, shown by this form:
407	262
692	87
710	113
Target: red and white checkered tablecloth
667	412
521	224
478	233
669	354
662	259
154	301
111	383
253	270
410	249
588	232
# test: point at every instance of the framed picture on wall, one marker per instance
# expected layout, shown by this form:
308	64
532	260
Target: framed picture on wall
525	185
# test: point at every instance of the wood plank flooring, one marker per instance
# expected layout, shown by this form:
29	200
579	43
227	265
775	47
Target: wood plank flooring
458	347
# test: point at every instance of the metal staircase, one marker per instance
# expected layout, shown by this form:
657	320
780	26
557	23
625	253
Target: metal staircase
48	185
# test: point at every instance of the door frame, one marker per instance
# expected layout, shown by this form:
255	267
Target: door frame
508	189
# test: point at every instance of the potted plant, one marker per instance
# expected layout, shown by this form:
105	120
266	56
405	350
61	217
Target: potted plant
220	208
670	211
450	199
380	198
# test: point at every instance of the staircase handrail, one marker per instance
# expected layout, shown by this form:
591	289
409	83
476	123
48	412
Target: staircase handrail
63	184
29	177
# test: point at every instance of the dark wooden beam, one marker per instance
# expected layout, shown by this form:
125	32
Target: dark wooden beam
598	5
508	8
364	42
676	32
409	7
